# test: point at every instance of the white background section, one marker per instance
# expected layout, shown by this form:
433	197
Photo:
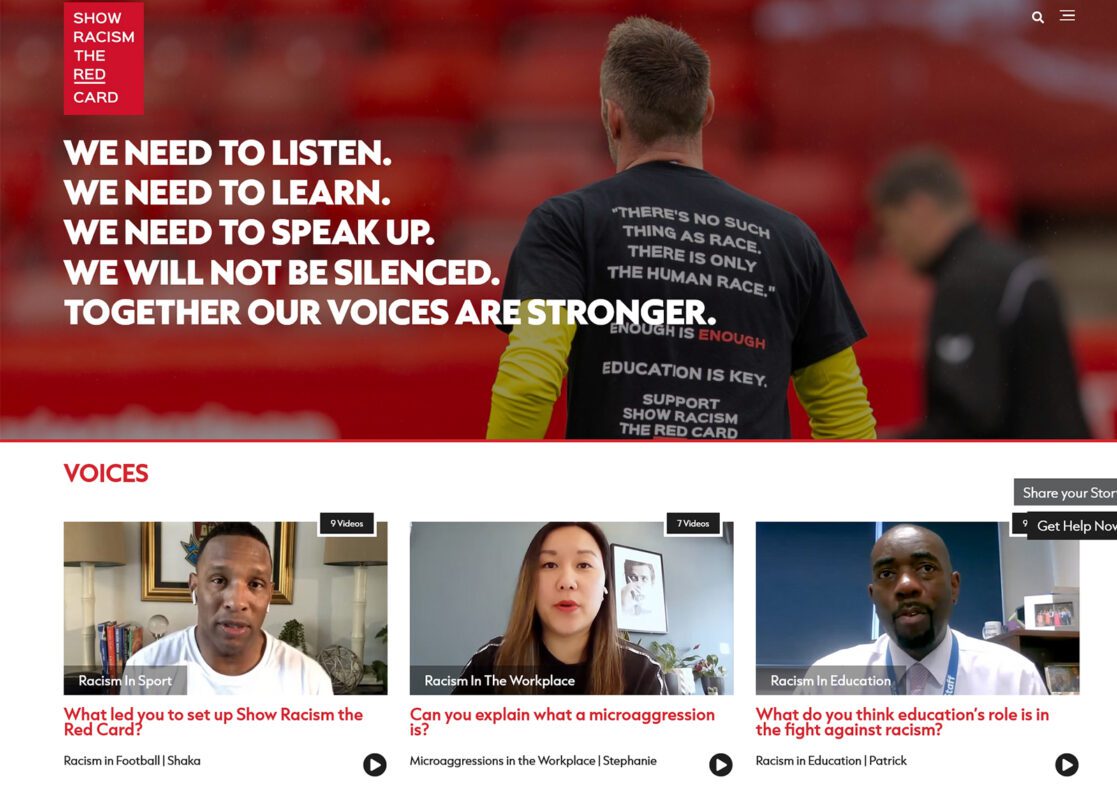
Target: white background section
399	482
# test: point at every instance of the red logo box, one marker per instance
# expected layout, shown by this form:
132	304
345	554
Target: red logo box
103	46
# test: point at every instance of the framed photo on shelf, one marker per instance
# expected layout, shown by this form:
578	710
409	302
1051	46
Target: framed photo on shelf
169	553
1061	678
1051	612
639	598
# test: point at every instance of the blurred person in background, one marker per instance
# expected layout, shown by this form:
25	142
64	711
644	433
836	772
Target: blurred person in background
998	361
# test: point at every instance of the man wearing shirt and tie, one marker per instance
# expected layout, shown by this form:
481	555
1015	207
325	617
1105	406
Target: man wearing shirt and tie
914	589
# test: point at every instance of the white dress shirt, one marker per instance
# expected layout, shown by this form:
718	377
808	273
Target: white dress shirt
983	668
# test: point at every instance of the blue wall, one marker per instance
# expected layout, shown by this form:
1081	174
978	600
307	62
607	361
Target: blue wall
812	585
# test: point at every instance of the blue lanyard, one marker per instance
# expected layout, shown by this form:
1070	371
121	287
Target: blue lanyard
951	669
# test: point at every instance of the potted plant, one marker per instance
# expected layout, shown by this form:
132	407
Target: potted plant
672	662
711	673
294	634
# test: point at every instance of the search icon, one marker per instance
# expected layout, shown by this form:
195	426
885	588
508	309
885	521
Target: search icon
1037	16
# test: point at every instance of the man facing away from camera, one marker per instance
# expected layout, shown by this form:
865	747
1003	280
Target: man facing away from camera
664	229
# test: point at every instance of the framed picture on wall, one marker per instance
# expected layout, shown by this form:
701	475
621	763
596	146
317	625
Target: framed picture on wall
639	596
169	553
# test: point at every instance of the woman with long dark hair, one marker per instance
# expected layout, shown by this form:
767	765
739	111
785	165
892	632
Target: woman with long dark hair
562	633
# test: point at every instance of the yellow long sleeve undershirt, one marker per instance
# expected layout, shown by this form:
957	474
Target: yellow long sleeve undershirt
529	380
834	397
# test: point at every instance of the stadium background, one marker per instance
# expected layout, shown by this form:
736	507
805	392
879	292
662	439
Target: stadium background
488	107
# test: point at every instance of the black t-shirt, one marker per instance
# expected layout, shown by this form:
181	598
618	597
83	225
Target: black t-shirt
662	230
641	673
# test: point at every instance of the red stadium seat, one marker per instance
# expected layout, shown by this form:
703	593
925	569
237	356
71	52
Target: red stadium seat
178	55
401	14
31	61
824	191
549	84
491	242
509	184
291	84
733	80
303	8
154	9
422	83
419	185
616	9
874	89
178	9
888	292
721	10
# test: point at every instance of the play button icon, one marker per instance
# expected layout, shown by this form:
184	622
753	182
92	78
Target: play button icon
721	764
1066	764
375	764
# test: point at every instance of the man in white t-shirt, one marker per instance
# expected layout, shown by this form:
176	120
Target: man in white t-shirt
914	589
227	651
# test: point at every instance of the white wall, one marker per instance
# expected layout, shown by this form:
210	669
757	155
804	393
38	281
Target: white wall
323	599
1033	566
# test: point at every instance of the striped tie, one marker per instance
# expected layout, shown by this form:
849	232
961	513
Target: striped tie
917	678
